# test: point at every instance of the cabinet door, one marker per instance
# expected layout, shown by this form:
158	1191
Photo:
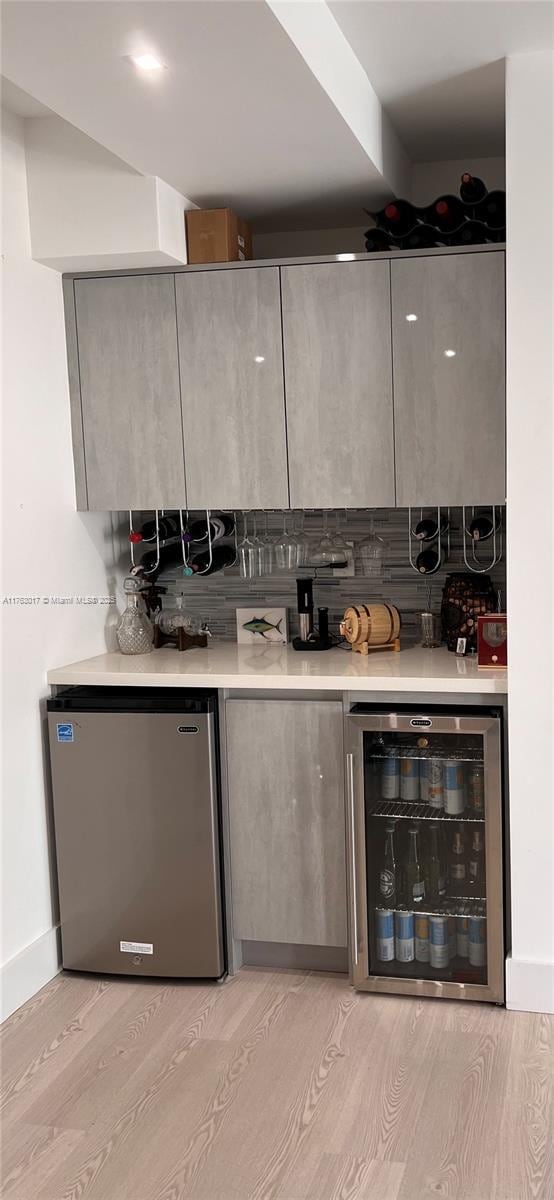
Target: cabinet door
338	378
449	390
230	354
285	771
131	412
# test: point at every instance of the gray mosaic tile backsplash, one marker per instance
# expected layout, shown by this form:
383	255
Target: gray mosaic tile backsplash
215	598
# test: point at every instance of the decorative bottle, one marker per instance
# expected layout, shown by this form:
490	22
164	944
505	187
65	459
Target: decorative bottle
134	632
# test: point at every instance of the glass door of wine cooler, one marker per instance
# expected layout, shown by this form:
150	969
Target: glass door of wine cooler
425	854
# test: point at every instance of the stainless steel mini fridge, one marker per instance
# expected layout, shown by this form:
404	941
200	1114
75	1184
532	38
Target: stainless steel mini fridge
137	829
424	851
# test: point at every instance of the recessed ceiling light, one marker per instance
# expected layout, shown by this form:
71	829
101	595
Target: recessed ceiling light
147	62
411	316
450	354
260	358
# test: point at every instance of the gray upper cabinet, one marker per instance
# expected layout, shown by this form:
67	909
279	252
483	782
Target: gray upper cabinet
338	378
449	388
278	387
129	384
230	352
286	817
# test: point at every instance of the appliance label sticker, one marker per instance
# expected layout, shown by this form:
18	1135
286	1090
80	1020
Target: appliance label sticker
187	729
421	722
65	733
136	947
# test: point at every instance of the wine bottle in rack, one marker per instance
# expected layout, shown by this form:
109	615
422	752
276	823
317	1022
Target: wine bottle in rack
170	554
397	218
496	234
472	189
168	527
427	528
226	523
222	556
471	233
422	237
447	213
377	239
428	561
480	528
492	210
221	525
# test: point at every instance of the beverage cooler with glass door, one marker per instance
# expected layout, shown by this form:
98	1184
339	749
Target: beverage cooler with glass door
424	835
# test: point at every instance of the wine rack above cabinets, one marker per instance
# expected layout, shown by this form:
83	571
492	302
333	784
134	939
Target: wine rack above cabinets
474	217
363	384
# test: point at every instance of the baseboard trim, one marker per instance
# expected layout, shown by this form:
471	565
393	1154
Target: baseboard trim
529	985
288	954
27	972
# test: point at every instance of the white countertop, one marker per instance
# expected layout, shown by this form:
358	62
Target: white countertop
227	665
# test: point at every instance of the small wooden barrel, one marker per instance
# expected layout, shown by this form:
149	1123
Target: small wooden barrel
371	627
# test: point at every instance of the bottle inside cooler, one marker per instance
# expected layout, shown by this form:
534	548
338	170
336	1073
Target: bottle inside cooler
426	851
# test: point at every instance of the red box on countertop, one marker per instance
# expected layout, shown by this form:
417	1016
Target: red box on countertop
492	640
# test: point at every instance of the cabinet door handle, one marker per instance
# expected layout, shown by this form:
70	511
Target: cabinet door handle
351	833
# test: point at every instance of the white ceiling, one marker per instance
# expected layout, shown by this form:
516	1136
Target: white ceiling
20	102
238	118
437	66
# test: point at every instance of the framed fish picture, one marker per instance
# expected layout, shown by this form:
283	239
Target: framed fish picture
261	626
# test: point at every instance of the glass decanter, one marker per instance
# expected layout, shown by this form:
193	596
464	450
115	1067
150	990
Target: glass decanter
134	632
173	618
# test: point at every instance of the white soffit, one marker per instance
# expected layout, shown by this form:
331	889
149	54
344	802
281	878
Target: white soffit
312	27
89	210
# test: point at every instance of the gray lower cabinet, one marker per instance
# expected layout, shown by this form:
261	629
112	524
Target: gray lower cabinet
449	385
231	366
286	814
129	390
338	378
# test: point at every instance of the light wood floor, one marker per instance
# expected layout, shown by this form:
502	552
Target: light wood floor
274	1086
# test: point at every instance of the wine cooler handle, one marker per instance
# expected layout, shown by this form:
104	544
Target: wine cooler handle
351	834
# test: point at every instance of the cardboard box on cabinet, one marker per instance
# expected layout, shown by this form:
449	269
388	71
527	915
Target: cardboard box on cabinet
217	235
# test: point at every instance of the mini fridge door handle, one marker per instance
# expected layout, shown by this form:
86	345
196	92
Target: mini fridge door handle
351	839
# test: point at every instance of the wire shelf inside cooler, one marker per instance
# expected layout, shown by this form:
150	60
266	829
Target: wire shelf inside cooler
415	810
397	752
452	906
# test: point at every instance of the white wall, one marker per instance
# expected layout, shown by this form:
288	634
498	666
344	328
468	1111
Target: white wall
530	316
48	550
298	243
90	211
432	179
